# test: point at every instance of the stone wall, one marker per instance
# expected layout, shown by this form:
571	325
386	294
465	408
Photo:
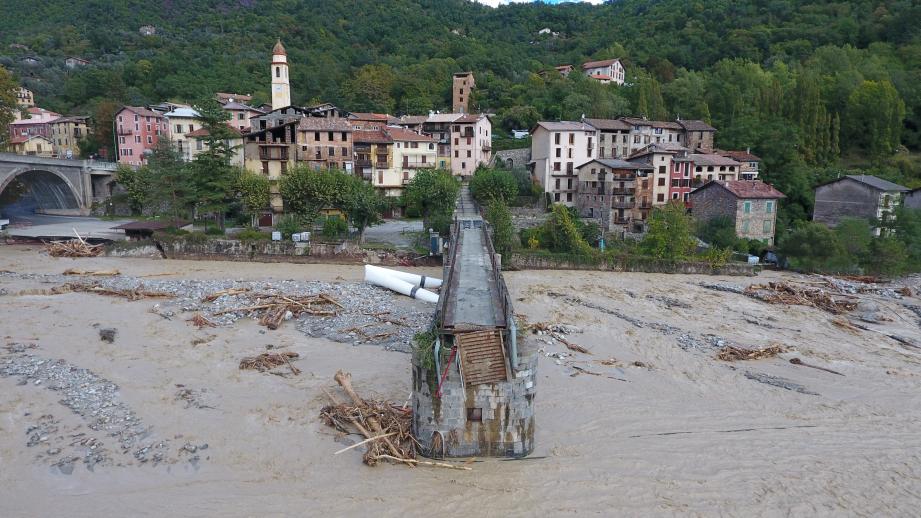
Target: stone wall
845	198
526	261
506	427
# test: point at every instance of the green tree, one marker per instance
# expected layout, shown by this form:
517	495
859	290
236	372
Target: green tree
306	191
718	232
886	256
812	247
488	184
561	234
8	104
364	205
669	235
214	178
254	191
370	89
874	118
170	188
135	185
432	193
855	236
907	229
500	222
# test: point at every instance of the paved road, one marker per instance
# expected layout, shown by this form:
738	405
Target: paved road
44	225
396	232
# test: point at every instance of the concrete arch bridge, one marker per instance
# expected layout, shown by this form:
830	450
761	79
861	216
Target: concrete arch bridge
54	185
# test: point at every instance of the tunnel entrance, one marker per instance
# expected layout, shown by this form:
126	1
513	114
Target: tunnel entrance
36	191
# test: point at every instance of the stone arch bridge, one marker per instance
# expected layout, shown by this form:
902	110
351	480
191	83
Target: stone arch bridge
58	186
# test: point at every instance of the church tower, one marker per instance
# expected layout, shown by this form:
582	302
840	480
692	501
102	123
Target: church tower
281	89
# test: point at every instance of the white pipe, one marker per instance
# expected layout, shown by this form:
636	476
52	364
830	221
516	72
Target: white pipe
377	278
417	280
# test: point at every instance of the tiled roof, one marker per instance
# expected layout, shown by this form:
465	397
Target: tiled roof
695	125
413	119
72	118
601	77
367	116
877	183
404	135
233	105
599	64
469	118
223	96
189	113
712	159
141	111
741	156
609	124
745	189
619	164
323	124
203	132
653	124
279	49
371	137
565	126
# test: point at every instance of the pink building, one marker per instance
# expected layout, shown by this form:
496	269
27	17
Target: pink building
138	131
240	114
37	125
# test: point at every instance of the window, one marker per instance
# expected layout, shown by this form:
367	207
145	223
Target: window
766	226
558	152
556	139
468	153
660	197
265	168
556	196
456	141
661	182
556	166
456	154
330	151
137	139
572	138
198	145
745	227
463	165
179	128
380	177
769	207
747	207
674	195
344	136
284	167
345	151
329	135
239	116
316	136
569	196
277	71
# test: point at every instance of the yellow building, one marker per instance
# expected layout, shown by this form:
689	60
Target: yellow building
66	134
35	145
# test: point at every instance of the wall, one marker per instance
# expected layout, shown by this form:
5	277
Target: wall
526	261
842	199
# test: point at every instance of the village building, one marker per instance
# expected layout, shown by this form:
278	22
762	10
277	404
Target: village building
38	123
750	204
710	166
605	71
241	114
644	132
66	134
24	97
462	85
564	70
556	148
411	152
196	142
374	157
74	62
34	145
913	199
227	97
325	143
138	131
857	196
607	192
697	135
271	152
147	30
511	158
182	121
614	139
662	158
750	163
369	121
471	144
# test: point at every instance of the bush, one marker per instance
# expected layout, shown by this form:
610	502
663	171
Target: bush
334	227
719	232
196	238
289	224
717	257
213	230
488	184
250	235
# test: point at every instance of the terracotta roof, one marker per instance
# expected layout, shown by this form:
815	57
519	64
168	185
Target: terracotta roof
279	49
609	124
367	116
599	64
404	135
741	156
745	189
696	125
469	118
323	124
601	77
371	137
141	111
203	132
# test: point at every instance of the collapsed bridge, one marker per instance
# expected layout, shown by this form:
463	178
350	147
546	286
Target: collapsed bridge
473	385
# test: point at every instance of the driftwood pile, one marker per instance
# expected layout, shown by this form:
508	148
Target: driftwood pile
731	353
387	428
93	273
275	309
132	294
268	361
199	321
556	332
785	293
72	248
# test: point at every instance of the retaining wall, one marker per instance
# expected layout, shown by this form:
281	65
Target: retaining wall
519	261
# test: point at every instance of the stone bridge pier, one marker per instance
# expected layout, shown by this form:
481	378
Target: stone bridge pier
58	186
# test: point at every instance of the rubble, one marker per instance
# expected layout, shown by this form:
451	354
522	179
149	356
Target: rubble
786	293
777	381
732	353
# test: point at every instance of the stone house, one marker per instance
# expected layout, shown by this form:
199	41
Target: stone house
856	196
750	204
913	199
606	71
24	97
662	157
750	163
66	134
711	166
241	114
412	152
272	152
607	192
462	85
698	135
325	143
644	132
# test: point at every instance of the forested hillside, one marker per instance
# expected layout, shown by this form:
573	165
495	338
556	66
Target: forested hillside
812	86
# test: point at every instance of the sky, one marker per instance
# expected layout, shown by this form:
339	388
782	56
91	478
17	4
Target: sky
495	3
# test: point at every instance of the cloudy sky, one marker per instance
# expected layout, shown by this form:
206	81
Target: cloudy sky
495	3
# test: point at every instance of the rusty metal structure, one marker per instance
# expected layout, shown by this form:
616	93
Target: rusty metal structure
475	394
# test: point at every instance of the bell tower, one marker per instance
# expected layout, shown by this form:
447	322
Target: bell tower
281	88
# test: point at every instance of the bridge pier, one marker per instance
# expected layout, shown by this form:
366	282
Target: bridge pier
474	394
75	177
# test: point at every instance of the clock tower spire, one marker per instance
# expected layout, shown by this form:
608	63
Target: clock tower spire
281	88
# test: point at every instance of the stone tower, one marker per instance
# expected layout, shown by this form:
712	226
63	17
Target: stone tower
462	86
281	88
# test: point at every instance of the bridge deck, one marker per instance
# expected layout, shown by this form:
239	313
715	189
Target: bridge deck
473	295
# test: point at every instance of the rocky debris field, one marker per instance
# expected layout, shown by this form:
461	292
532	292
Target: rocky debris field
366	314
111	433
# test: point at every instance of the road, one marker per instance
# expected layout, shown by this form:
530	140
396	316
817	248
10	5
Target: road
24	224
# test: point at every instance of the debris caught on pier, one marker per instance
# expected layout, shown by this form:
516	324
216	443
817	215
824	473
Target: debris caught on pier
786	293
387	428
732	353
268	361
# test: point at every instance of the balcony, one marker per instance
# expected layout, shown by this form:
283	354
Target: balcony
362	163
406	181
273	152
418	165
382	165
623	178
621	221
626	191
128	131
622	204
487	146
